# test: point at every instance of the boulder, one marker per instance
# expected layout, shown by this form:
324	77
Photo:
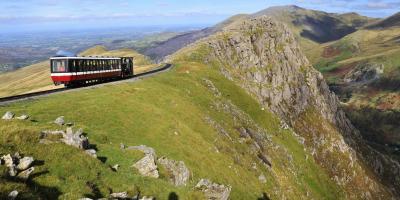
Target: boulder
25	163
143	148
60	120
147	166
120	195
8	160
91	152
76	140
13	195
179	173
23	117
213	191
8	115
25	174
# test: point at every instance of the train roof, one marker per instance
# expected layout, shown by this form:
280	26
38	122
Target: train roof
85	58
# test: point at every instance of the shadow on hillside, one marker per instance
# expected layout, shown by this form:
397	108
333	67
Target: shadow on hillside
379	128
264	197
33	189
173	196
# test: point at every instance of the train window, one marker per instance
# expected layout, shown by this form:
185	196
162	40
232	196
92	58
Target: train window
59	66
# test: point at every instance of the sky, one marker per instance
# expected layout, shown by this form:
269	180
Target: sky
31	15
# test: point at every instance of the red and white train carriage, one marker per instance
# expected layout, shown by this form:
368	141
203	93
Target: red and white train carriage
73	71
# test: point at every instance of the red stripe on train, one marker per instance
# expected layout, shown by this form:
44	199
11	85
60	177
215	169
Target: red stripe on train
69	78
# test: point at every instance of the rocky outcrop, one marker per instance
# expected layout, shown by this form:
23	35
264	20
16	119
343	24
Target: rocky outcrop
364	73
17	166
262	56
213	191
179	174
147	166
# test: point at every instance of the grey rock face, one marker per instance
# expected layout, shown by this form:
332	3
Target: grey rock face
147	166
25	174
25	163
13	195
179	173
8	115
23	117
60	120
262	56
213	191
262	178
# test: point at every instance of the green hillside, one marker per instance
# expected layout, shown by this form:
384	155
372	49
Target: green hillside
154	112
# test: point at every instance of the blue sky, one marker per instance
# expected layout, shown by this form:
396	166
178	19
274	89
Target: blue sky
56	14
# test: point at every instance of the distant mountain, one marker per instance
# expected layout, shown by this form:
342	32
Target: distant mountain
314	25
172	45
392	21
310	27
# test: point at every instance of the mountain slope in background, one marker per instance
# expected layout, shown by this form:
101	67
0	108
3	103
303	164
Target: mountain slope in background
393	21
162	49
310	26
363	68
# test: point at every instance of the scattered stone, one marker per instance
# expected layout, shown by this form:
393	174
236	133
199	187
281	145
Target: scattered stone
143	148
60	121
213	191
13	195
8	116
25	174
91	152
122	146
76	140
23	117
69	124
179	173
25	163
115	167
262	178
85	198
120	195
147	166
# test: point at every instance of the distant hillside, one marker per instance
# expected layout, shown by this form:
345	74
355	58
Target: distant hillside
392	21
170	46
99	50
314	25
310	27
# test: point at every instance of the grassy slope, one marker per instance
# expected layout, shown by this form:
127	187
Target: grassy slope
149	112
37	77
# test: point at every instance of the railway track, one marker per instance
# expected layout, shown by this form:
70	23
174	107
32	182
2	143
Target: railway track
33	95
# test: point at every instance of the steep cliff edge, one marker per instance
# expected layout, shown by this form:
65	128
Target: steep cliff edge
263	57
